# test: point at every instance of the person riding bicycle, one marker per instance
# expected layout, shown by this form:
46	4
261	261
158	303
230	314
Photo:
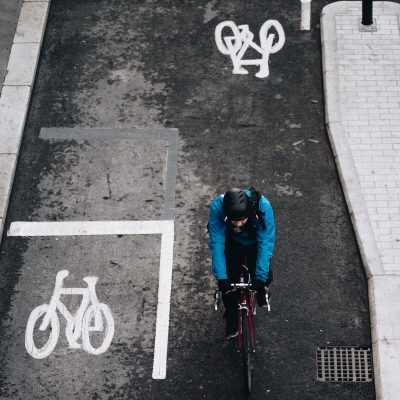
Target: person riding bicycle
240	225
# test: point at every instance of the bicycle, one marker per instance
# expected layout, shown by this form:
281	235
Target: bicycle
235	46
78	324
247	307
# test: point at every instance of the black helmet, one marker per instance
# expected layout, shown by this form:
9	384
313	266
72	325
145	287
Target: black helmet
236	204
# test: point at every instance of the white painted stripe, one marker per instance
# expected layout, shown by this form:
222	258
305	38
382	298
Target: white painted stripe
84	228
305	15
163	307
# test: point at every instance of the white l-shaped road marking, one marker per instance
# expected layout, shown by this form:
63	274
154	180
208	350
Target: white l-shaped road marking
85	228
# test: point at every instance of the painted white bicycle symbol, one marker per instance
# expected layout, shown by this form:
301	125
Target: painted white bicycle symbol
78	325
242	38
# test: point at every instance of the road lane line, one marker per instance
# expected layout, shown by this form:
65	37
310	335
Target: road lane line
170	176
107	133
86	228
163	307
305	15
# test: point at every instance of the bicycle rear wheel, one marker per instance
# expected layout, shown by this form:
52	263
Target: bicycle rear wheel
246	351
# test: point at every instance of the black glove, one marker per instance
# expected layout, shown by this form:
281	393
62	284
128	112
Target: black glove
224	285
259	287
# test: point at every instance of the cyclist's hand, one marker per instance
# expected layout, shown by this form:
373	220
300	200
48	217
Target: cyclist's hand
224	285
259	286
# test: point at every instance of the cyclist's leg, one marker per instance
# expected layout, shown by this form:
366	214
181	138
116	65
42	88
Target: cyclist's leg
270	278
251	254
230	301
234	253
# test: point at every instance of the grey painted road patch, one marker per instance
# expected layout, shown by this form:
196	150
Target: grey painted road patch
135	158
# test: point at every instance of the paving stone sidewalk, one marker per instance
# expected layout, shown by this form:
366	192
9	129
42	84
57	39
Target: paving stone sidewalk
362	94
23	25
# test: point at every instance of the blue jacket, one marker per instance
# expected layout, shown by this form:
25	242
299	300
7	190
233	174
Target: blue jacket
265	239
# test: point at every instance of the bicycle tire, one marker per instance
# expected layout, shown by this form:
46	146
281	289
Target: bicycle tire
46	350
220	42
246	351
264	35
109	329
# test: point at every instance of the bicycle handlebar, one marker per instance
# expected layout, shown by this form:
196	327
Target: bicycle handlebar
241	285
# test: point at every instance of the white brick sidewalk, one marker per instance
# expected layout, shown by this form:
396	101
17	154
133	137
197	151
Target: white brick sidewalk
369	86
16	92
362	93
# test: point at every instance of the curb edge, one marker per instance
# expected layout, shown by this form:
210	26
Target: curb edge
18	123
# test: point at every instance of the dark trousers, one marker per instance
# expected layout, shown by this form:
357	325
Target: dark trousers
234	254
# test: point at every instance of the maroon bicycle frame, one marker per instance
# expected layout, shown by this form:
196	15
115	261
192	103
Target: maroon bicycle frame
246	302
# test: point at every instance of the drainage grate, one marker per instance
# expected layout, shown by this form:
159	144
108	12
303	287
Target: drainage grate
344	364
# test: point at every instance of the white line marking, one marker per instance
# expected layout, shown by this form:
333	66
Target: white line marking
305	15
163	307
78	228
84	228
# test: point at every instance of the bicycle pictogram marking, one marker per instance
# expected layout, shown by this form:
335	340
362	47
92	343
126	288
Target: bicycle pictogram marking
79	325
236	45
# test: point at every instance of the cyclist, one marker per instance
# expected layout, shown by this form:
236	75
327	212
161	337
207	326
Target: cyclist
236	225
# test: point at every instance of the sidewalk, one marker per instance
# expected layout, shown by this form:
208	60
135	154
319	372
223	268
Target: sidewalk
362	106
17	86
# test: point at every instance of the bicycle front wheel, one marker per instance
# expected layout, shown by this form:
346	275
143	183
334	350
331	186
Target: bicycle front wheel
246	351
106	329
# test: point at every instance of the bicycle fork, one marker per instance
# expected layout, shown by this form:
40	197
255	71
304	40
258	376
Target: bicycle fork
250	321
98	320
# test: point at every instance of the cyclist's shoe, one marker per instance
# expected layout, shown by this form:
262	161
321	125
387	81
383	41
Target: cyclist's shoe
269	297
231	329
262	301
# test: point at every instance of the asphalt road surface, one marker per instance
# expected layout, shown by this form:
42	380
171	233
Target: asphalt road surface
125	64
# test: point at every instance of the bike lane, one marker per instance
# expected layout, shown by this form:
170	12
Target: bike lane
98	229
121	65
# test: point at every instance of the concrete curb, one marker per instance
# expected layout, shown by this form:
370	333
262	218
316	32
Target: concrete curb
16	92
385	343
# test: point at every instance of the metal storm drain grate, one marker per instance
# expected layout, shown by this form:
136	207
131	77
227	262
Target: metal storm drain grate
344	364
